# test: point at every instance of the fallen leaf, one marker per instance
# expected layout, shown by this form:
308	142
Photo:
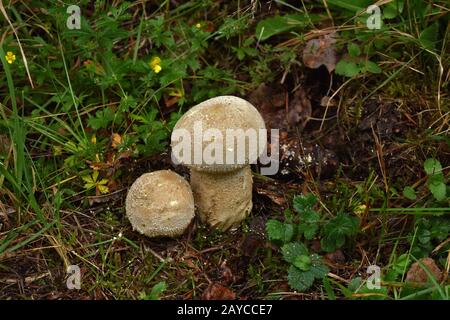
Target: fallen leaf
272	192
327	102
170	101
417	274
116	140
321	51
336	257
226	273
216	291
172	96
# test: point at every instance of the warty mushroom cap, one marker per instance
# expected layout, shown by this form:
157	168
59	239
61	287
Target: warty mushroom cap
222	113
160	204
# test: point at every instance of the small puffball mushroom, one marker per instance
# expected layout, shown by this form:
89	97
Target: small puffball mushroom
160	204
218	139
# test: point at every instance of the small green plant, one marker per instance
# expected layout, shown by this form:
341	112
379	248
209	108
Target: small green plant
436	179
305	224
93	181
356	63
436	182
156	292
304	267
338	230
429	232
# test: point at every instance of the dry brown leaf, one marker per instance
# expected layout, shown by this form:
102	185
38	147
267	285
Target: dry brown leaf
5	143
216	291
226	273
116	140
327	102
417	274
336	257
321	51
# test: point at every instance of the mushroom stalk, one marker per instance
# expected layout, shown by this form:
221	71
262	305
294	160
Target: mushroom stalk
224	198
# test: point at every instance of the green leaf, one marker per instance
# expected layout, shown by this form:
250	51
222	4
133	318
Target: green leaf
354	5
337	230
293	250
103	118
424	236
436	180
355	284
126	103
328	289
87	179
309	224
347	68
309	218
157	290
393	9
372	294
420	8
353	49
304	202
428	37
302	262
439	190
409	193
432	166
279	24
240	53
278	231
299	280
172	73
288	215
308	230
302	273
372	67
400	267
318	268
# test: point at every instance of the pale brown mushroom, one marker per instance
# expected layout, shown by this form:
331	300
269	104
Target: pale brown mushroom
160	204
222	189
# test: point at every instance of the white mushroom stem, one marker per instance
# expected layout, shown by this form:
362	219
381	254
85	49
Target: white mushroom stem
223	198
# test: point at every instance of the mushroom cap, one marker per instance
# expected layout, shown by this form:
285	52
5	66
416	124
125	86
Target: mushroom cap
221	114
160	204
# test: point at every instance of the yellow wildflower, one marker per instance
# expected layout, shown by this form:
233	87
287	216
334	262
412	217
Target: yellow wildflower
157	68
155	64
360	210
10	57
198	25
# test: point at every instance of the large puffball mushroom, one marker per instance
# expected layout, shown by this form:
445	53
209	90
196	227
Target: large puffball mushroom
218	139
160	204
